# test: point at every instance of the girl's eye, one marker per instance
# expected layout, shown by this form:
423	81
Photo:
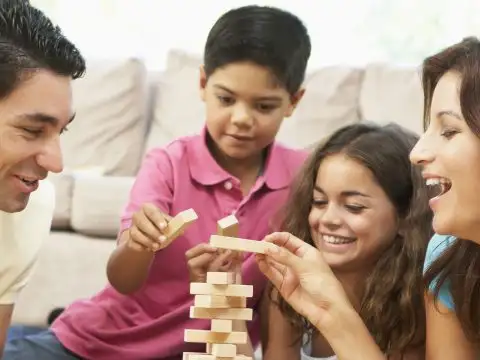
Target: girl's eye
355	209
319	203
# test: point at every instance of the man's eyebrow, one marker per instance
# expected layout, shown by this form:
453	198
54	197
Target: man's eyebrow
260	98
44	118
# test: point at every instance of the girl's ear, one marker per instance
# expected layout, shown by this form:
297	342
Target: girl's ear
402	227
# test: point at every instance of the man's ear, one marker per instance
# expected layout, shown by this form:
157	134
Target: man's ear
294	100
202	82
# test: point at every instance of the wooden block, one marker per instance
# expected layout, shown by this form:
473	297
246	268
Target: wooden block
200	356
207	336
238	244
179	223
220	278
224	350
219	325
223	314
225	290
228	226
220	301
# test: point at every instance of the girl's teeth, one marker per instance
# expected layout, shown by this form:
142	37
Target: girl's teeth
336	240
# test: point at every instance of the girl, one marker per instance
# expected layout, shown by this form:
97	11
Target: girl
367	212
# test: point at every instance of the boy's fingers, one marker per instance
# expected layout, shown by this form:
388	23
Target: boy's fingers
154	214
139	238
200	249
200	261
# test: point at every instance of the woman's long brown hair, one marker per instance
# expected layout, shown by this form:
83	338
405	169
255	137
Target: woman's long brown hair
392	305
459	265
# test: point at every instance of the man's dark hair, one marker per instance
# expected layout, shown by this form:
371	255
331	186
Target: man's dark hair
29	41
264	35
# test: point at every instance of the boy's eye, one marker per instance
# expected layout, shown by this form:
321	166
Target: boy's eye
64	130
265	107
225	100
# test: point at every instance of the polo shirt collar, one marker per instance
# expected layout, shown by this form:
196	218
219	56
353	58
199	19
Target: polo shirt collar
205	170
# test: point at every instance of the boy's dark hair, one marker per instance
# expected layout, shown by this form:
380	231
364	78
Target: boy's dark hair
264	35
392	304
458	266
28	42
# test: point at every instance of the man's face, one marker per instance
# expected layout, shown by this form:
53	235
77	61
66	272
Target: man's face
32	118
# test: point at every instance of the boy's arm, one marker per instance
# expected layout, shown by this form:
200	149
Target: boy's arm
5	317
128	269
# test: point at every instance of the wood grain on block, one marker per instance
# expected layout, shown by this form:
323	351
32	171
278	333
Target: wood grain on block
177	225
220	301
223	314
220	278
228	226
219	325
224	350
226	290
207	336
200	356
233	243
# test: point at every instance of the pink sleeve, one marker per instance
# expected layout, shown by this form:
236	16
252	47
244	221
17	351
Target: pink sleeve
153	184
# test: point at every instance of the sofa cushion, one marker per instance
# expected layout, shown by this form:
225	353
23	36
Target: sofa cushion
330	102
70	267
392	94
63	184
109	129
97	204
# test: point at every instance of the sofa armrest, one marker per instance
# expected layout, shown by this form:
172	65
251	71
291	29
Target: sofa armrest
97	204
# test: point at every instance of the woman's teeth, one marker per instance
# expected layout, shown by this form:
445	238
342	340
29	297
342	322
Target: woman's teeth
337	240
439	185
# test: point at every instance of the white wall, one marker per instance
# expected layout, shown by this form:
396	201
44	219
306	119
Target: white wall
342	31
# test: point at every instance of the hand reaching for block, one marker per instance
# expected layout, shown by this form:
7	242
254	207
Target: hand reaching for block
153	230
204	258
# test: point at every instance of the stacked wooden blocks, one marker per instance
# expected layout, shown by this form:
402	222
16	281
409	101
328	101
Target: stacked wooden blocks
223	299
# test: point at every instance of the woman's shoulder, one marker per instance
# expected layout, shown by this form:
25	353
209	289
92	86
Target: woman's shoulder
436	246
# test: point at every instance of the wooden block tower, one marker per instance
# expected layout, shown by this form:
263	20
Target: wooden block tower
222	299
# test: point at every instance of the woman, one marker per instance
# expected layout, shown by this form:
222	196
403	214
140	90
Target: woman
449	153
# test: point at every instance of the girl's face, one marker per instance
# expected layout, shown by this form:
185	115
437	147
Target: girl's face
352	221
449	153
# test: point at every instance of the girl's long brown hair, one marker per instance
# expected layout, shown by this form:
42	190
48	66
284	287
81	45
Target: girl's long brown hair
460	263
392	305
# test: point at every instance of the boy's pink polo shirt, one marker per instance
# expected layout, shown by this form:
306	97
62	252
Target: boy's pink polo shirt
150	323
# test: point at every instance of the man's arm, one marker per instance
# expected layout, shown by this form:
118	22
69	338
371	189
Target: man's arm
5	317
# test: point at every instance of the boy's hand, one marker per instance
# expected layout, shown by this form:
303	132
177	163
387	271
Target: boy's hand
204	258
146	232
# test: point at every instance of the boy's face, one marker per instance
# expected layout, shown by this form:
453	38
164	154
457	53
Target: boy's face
245	107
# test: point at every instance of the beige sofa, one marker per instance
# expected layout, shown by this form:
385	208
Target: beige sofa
122	111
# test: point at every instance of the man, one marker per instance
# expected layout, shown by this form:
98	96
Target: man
37	65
